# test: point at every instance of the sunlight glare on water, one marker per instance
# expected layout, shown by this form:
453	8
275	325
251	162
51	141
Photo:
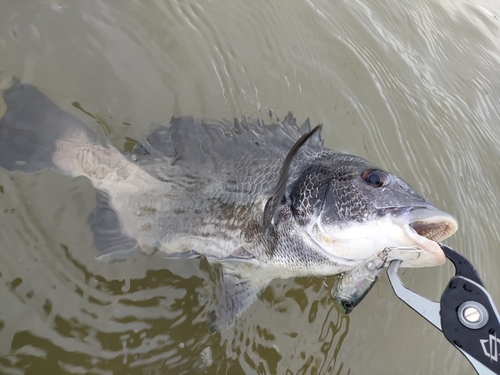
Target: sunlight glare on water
410	86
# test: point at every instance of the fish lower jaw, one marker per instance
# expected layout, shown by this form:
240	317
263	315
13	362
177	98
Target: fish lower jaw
354	243
430	254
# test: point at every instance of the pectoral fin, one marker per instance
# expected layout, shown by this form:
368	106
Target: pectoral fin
235	293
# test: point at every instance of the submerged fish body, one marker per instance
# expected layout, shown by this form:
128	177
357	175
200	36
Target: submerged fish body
267	201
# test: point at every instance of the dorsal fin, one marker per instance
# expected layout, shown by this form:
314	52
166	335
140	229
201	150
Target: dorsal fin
279	192
305	127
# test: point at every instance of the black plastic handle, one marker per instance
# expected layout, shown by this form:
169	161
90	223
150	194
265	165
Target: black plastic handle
480	341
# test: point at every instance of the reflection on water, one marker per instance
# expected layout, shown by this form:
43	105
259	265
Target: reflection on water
68	313
294	329
411	86
71	318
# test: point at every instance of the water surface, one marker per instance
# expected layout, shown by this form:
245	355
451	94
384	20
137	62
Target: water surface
413	86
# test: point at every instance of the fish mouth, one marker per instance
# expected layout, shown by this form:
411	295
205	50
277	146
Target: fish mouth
436	229
425	228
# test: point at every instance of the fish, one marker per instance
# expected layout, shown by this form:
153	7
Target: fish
263	201
350	288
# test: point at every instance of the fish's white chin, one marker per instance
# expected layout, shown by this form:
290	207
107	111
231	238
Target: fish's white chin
419	228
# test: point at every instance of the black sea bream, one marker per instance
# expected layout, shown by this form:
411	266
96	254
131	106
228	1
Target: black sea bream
265	201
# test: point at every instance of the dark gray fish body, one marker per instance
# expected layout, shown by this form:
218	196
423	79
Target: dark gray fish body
203	189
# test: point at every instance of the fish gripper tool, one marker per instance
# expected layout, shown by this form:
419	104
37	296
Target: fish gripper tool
466	314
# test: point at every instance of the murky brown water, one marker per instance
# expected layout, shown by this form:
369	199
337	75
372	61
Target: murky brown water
413	86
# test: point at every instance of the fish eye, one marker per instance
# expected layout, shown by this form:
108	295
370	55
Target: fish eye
375	177
347	306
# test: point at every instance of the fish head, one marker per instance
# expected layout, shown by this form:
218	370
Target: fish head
352	209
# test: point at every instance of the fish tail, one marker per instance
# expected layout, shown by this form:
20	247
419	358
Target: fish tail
31	128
